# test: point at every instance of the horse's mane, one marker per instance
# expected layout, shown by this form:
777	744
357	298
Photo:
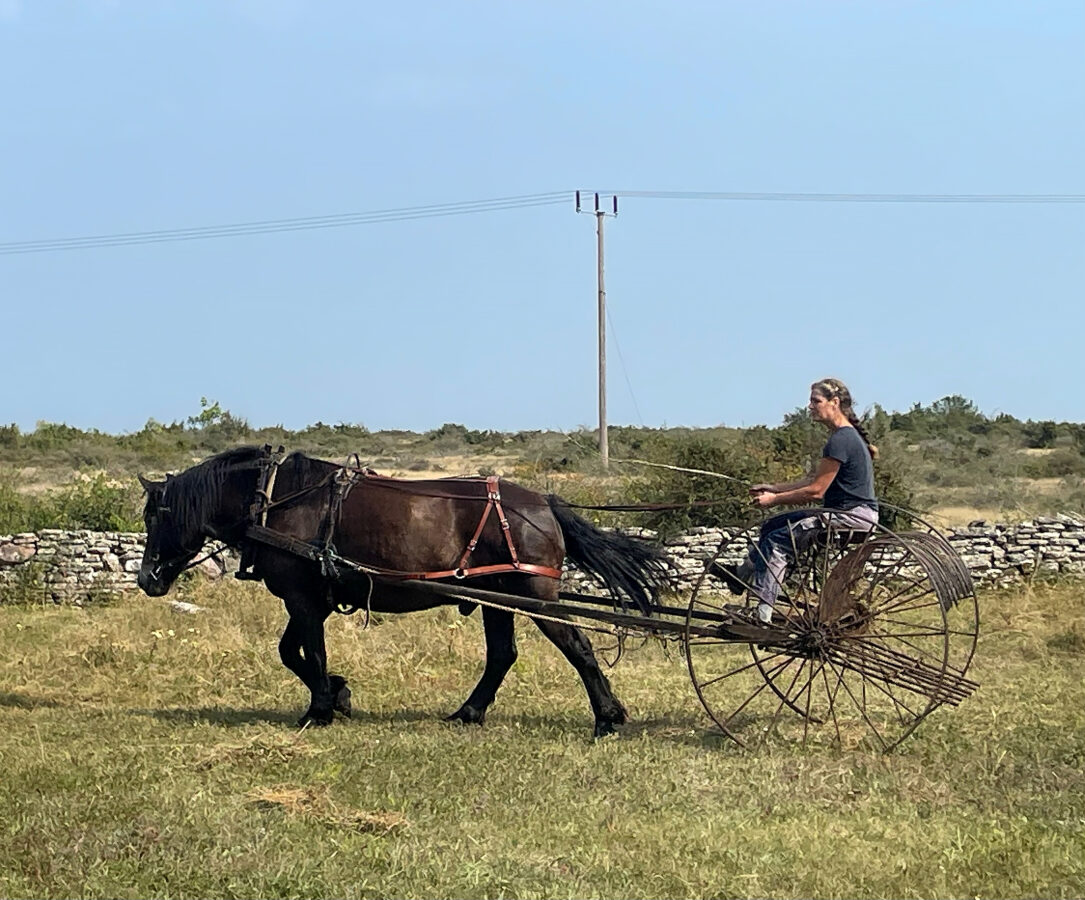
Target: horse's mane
307	468
194	495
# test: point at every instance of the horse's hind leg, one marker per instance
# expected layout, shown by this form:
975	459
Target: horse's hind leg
500	655
571	641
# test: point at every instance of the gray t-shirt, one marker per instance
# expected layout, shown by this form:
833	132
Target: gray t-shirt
854	483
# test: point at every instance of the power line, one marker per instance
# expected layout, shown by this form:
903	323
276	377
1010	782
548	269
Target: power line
523	201
272	226
847	198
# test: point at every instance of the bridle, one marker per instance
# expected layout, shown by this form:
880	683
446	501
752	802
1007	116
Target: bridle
268	462
158	564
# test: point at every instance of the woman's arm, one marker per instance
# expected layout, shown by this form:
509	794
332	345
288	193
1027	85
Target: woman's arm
799	492
782	486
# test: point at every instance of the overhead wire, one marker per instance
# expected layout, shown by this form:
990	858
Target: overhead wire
522	201
844	198
271	226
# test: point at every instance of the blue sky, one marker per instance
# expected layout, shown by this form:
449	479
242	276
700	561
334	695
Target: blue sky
120	116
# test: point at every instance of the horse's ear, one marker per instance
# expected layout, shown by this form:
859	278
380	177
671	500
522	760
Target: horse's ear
149	486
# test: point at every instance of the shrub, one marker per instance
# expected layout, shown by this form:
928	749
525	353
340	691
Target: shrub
95	503
1039	434
14	515
1057	464
703	499
23	583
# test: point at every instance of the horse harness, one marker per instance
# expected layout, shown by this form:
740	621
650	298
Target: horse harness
340	483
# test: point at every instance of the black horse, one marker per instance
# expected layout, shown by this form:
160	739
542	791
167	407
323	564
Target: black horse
321	514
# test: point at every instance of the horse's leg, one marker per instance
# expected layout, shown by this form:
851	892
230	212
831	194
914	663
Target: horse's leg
571	641
500	655
302	650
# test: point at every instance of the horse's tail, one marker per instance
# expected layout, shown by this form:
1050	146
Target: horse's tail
630	568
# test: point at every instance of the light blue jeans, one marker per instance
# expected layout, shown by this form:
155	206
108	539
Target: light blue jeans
790	533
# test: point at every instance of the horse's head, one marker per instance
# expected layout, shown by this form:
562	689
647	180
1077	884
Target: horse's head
210	500
172	541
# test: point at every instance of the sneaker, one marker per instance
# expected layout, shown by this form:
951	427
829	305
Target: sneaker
744	615
728	575
748	615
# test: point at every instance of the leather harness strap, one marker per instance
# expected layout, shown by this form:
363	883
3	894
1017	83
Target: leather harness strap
345	479
493	501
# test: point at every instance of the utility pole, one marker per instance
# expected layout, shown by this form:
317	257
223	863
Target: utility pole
600	215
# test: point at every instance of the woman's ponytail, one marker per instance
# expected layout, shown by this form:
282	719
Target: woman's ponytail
854	420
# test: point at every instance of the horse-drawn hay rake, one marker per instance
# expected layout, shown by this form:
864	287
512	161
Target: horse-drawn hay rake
873	630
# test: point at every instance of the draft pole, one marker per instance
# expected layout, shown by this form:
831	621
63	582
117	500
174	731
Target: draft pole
600	215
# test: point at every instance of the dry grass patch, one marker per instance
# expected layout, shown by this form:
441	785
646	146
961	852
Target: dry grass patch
262	750
315	804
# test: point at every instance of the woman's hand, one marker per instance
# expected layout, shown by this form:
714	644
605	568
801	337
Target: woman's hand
764	499
759	489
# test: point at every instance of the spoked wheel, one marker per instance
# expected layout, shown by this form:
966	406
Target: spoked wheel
864	643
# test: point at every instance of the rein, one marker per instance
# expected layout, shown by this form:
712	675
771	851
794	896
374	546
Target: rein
210	554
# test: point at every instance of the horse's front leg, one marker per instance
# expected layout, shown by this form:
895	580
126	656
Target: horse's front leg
302	650
500	655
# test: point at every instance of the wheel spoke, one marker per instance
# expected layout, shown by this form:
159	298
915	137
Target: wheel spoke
831	700
784	697
750	665
809	697
861	707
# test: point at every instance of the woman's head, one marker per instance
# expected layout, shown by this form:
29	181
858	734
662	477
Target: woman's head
833	389
830	394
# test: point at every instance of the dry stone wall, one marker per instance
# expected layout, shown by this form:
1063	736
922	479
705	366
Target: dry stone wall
83	566
76	567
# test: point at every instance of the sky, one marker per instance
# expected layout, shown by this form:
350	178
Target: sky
133	117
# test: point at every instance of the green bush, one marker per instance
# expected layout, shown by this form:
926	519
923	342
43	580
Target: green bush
23	584
1057	464
14	513
97	504
704	499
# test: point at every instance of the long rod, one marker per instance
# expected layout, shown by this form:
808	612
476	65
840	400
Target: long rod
604	450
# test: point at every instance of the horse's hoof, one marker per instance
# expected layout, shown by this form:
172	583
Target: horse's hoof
609	718
342	701
316	719
604	727
468	715
342	695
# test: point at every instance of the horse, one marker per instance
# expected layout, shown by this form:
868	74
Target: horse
324	537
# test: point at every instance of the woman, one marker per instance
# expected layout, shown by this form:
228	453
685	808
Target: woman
843	480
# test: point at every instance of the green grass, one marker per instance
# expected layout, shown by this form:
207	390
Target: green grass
148	753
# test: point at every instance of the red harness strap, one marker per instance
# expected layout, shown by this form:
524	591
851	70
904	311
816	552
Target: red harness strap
493	501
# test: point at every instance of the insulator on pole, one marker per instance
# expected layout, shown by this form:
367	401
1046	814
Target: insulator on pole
578	201
615	204
597	202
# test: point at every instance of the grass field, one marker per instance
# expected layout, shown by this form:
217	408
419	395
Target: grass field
147	753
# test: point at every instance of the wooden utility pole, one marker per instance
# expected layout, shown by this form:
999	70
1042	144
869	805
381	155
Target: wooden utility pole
600	215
